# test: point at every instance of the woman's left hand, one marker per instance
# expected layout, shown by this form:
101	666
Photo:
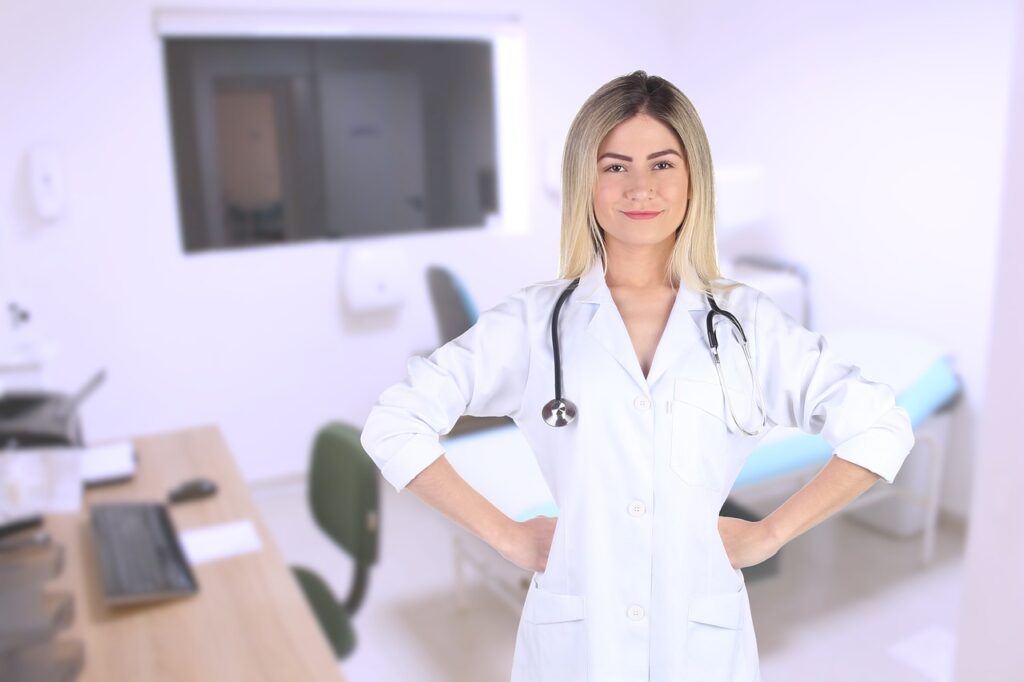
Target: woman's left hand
746	542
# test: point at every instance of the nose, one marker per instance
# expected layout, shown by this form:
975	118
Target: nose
641	187
640	191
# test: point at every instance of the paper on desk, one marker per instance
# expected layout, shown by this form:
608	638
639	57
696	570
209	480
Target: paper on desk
220	541
109	462
48	480
39	481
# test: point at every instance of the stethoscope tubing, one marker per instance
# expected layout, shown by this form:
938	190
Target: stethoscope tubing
554	335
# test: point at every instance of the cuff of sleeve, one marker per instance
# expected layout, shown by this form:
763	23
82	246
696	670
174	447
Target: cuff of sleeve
413	458
883	447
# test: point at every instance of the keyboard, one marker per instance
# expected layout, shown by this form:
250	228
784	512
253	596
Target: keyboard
139	555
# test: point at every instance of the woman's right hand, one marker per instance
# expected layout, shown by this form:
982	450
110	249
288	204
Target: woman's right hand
528	543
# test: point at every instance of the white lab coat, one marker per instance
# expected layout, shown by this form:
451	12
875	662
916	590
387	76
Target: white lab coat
638	585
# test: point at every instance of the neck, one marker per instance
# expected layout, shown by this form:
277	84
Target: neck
638	267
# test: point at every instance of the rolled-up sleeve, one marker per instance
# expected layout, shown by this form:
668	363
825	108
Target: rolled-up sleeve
806	386
482	372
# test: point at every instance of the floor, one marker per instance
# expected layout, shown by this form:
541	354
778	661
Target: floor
848	603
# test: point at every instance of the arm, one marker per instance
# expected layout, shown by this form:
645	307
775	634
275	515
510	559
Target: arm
483	372
836	485
440	486
525	544
807	387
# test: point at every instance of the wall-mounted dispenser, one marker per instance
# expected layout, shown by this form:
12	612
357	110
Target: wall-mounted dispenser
375	277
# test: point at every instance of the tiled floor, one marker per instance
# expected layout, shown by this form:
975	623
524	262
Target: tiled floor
849	603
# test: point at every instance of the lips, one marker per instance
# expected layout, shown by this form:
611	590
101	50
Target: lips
641	215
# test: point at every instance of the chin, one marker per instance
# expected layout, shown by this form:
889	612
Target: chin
638	237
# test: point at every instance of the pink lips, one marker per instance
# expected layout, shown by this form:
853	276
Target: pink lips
641	215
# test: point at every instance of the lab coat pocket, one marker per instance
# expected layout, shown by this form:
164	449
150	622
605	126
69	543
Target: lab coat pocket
722	566
557	635
713	634
700	439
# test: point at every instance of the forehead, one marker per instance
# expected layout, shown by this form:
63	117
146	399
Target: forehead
640	132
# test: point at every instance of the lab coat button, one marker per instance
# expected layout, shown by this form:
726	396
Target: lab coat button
642	403
637	508
635	612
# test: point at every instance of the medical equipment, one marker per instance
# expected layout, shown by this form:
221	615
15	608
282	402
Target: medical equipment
713	343
559	411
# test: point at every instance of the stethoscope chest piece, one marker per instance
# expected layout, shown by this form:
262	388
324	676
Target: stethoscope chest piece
558	412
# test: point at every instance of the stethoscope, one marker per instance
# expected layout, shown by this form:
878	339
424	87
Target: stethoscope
559	412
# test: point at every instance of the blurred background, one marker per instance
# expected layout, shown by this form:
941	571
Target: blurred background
250	216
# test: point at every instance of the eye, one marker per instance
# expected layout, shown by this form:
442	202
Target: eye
667	163
614	165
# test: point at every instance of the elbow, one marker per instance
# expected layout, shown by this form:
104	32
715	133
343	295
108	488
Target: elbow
882	447
399	454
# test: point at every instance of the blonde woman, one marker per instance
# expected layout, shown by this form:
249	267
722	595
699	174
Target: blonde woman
638	431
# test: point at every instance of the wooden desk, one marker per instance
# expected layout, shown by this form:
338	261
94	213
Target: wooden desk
249	620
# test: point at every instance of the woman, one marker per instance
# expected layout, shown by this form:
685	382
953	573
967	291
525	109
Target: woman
639	578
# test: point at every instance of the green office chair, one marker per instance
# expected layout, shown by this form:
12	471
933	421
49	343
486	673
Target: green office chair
343	494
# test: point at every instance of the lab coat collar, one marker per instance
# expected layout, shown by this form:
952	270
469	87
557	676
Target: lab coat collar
684	330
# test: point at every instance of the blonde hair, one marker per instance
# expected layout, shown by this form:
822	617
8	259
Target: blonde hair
694	259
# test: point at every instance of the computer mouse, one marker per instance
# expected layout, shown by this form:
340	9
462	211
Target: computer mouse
194	489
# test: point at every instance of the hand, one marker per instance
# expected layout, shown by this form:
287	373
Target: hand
746	542
528	543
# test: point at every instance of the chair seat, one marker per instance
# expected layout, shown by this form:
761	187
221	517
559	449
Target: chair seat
333	618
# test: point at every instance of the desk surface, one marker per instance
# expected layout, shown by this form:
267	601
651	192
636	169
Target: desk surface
249	621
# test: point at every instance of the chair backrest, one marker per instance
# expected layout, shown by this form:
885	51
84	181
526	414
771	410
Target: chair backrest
344	491
453	305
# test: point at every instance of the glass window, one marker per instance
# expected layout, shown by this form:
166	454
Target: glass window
281	140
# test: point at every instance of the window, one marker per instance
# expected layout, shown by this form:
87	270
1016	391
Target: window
292	139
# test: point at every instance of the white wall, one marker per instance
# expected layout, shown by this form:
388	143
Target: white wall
880	124
991	619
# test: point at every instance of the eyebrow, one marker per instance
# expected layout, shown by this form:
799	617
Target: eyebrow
623	157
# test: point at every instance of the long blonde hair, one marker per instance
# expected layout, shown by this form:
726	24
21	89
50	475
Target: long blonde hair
694	259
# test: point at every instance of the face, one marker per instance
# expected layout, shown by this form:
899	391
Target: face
641	189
